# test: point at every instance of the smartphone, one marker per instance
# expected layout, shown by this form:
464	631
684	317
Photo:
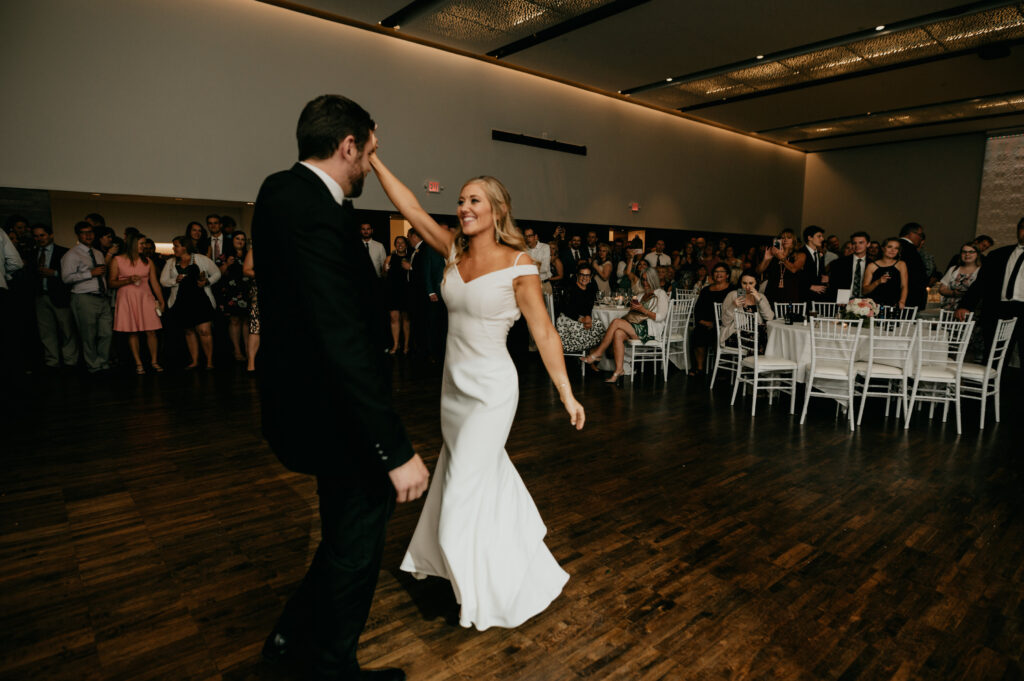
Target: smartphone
777	244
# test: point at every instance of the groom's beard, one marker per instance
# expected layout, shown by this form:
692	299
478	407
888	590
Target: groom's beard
357	186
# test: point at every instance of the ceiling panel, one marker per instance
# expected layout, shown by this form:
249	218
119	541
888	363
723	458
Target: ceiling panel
367	11
941	130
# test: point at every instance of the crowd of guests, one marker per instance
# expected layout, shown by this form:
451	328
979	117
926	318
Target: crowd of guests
70	301
71	306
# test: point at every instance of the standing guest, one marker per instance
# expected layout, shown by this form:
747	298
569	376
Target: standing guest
847	273
191	304
833	245
847	249
601	267
397	268
704	316
572	253
874	250
232	292
351	438
140	301
591	246
886	278
982	243
781	268
708	257
928	260
228	225
196	233
557	278
735	264
10	262
958	279
911	237
746	299
814	281
107	243
652	305
1000	286
95	220
84	269
576	325
252	343
149	249
618	254
417	306
374	248
20	324
541	254
53	302
218	240
658	257
558	236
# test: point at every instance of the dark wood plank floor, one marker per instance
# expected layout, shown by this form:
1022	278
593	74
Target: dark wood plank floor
146	532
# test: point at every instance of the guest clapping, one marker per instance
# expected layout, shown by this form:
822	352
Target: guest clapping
576	324
652	305
189	275
232	292
746	299
140	300
958	279
704	315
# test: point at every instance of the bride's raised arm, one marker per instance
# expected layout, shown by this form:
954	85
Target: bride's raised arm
436	236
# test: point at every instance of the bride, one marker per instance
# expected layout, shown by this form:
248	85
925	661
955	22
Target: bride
479	527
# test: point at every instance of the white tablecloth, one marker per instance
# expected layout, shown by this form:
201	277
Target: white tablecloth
793	341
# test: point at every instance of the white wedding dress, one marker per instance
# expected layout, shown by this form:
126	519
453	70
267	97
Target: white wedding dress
479	527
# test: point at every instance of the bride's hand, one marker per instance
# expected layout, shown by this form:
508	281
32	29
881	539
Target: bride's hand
576	414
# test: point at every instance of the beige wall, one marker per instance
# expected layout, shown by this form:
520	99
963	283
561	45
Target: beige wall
199	99
880	188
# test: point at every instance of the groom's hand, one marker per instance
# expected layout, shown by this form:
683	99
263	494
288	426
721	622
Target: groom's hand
410	479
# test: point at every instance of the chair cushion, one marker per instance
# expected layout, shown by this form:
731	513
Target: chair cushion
975	372
936	372
728	350
879	370
832	369
769	363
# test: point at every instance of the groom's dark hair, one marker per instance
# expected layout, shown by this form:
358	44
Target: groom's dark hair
326	121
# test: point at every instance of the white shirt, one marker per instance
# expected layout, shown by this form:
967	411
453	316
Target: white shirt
10	261
336	191
655	259
377	255
830	257
541	254
76	269
1018	289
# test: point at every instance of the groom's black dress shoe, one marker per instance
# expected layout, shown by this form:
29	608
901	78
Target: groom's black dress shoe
278	648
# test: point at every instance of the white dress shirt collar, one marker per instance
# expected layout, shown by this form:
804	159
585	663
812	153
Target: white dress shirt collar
336	191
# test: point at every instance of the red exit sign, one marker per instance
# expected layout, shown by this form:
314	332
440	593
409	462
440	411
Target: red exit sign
434	187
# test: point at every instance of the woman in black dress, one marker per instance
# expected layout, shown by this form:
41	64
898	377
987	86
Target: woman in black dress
704	315
233	291
781	269
397	268
885	279
189	276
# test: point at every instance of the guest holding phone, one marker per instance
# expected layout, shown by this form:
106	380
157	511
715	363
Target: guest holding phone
745	299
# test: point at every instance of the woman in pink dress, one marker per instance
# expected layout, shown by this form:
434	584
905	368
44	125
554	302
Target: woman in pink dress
140	301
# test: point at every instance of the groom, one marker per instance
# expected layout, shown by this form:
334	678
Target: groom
324	384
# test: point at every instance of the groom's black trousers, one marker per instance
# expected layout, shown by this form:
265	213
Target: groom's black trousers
330	608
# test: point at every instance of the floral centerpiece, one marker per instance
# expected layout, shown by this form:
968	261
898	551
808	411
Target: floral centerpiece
858	308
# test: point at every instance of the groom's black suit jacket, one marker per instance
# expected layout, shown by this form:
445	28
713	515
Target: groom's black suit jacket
324	383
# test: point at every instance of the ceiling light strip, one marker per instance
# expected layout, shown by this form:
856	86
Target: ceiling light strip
913	126
916	22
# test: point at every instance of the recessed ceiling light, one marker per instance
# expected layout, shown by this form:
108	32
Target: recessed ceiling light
249	203
880	27
397	27
179	199
97	194
668	80
760	56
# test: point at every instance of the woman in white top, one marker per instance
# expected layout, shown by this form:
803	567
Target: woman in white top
651	306
190	276
959	278
479	527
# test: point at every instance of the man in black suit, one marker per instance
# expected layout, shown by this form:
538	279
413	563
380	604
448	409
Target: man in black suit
324	384
53	301
572	253
813	279
911	237
1000	287
429	319
848	271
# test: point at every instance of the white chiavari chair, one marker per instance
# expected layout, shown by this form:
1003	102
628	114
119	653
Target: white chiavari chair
833	352
726	358
950	316
896	312
679	331
761	372
981	381
783	310
941	347
886	373
827	309
655	350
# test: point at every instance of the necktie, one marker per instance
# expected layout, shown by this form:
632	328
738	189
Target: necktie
367	244
857	276
98	278
216	247
42	263
1012	282
575	255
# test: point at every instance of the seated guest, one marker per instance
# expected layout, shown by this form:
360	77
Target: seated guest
232	292
576	324
189	276
700	278
704	315
653	305
747	299
637	276
139	302
885	279
958	279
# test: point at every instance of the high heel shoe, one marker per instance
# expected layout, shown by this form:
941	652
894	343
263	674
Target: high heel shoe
140	370
157	368
588	359
614	378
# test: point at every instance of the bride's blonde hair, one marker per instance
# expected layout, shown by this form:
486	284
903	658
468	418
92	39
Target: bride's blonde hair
505	230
